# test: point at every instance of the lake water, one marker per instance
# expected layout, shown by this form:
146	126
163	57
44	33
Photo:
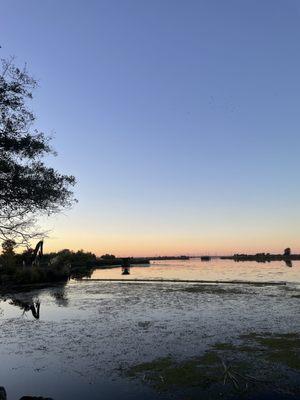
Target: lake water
89	333
216	269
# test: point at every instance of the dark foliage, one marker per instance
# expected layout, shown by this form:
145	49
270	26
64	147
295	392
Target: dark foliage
108	257
53	267
28	187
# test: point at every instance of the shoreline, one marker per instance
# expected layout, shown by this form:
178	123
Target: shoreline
263	283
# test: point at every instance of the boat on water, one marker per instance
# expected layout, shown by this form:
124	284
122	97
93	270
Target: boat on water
205	258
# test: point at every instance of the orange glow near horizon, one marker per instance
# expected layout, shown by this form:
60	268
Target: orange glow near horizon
138	247
154	237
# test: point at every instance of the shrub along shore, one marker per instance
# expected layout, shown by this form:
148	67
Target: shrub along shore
30	268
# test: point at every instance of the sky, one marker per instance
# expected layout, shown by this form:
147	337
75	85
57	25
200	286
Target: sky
179	119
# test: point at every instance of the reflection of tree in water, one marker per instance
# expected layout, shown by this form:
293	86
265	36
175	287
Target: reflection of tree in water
3	396
125	266
79	273
29	302
288	263
60	297
33	306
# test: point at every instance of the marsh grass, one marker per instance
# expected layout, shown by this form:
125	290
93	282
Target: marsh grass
165	373
255	362
281	348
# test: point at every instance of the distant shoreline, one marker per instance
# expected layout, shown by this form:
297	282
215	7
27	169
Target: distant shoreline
262	257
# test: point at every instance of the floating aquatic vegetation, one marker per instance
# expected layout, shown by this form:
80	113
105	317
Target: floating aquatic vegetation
228	367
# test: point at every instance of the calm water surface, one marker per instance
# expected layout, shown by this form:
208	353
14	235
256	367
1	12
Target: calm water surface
89	332
216	269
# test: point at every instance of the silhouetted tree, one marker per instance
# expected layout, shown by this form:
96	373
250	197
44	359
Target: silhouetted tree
108	257
7	258
28	187
8	247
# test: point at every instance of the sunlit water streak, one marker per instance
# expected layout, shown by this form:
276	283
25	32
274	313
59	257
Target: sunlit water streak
214	270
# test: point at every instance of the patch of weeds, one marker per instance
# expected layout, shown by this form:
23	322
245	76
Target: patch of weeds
288	341
279	348
248	349
224	346
289	358
189	373
157	365
236	348
228	368
205	374
165	373
209	358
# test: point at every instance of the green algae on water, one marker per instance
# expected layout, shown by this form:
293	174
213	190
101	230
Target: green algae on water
164	373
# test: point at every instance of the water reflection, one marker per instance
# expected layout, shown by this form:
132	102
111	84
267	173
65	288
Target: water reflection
60	297
126	266
288	263
30	302
215	270
33	306
79	273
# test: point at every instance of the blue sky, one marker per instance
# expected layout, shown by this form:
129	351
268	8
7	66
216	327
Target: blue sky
180	120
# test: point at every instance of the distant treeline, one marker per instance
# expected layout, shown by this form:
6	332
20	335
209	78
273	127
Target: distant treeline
111	260
168	258
264	257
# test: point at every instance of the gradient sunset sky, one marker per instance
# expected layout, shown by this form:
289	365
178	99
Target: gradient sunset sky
180	120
